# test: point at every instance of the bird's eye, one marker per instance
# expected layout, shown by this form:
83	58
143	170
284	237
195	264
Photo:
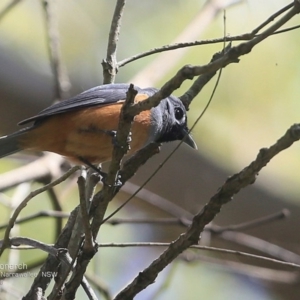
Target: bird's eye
178	113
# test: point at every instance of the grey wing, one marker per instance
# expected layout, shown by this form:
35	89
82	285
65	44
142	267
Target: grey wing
98	96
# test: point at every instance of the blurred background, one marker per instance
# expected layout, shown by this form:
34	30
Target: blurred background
257	100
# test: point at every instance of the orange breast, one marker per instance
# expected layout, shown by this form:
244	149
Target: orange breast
80	133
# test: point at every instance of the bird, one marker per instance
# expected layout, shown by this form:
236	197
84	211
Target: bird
81	128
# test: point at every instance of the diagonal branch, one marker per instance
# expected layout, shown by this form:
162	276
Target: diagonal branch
231	187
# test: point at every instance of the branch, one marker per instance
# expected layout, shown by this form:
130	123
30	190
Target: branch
40	214
61	254
261	245
34	244
208	248
110	67
100	286
62	81
129	169
232	186
51	264
261	273
251	224
58	208
201	81
88	239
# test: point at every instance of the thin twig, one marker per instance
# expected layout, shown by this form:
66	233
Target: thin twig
34	244
271	18
155	221
58	208
261	245
158	201
199	247
130	167
253	223
88	289
40	214
110	67
62	82
100	286
267	274
201	81
88	245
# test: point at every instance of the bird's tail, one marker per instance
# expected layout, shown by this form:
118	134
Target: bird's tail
9	144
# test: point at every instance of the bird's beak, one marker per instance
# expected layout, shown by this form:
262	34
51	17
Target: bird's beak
189	140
